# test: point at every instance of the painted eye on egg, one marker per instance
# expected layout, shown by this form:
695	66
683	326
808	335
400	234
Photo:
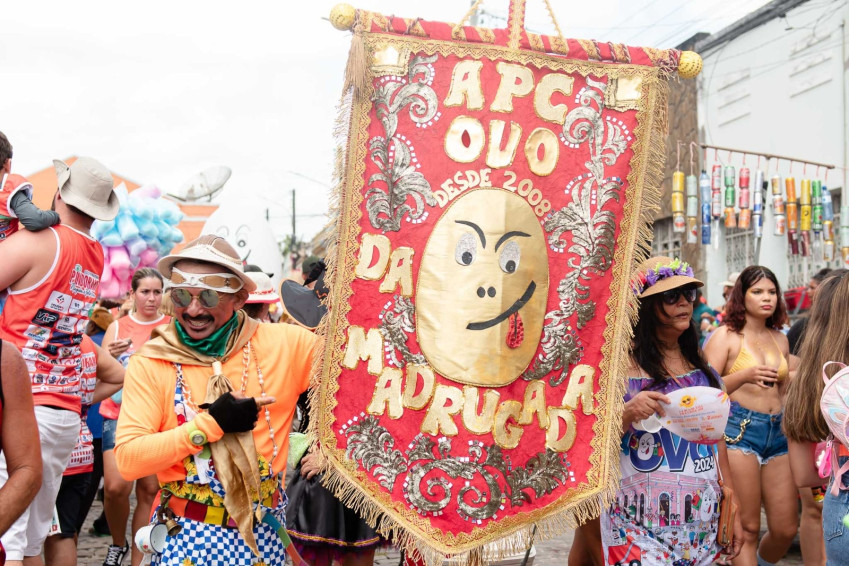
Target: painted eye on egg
509	258
466	250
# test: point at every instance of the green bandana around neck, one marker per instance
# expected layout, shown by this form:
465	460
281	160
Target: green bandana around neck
213	345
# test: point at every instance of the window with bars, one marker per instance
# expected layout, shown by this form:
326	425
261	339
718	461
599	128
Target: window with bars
739	249
665	241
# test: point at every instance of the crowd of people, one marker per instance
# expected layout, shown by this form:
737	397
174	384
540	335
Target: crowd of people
182	389
187	390
775	438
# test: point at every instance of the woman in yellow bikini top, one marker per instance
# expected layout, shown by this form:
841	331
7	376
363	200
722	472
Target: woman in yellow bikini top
745	359
752	354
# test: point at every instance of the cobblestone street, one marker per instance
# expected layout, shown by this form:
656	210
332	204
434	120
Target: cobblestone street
552	552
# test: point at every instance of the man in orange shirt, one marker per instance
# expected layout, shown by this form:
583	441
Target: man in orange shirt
192	398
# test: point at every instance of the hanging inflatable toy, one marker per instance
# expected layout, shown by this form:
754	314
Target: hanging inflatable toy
758	205
844	235
778	208
744	198
730	198
705	190
144	230
692	183
816	218
679	223
805	216
828	247
792	215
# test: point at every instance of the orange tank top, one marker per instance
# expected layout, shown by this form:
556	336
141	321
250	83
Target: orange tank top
137	330
46	321
130	327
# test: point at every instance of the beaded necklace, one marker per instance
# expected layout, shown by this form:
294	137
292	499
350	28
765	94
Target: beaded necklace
247	353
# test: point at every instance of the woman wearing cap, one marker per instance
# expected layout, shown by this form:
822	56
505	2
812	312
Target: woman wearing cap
641	524
826	339
123	337
753	356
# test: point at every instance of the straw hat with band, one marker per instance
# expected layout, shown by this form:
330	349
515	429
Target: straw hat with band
264	293
101	317
659	274
303	304
87	186
208	249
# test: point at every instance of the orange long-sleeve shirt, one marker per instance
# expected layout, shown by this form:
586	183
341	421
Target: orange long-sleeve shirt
149	439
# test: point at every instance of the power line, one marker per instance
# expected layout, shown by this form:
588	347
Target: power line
780	37
724	16
774	64
675	10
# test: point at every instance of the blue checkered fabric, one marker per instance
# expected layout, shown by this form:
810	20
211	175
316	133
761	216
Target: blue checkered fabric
210	545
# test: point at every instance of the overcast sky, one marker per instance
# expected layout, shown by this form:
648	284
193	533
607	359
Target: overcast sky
161	90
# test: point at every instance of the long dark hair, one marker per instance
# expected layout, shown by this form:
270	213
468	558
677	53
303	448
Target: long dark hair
826	339
646	351
735	308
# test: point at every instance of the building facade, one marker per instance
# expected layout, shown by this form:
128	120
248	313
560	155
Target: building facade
775	83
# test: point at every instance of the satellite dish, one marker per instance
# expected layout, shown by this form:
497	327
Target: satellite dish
205	184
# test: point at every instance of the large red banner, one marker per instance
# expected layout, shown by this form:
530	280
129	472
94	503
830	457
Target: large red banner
492	197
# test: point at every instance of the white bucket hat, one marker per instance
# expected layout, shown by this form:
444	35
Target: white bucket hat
210	249
87	185
732	279
264	293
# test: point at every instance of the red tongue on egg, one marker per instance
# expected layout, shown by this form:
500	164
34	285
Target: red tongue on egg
516	332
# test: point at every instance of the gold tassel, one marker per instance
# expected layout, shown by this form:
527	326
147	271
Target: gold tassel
236	465
356	71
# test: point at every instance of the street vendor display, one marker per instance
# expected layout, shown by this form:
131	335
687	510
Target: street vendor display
493	192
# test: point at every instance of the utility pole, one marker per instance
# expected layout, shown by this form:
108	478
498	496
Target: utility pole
293	217
293	252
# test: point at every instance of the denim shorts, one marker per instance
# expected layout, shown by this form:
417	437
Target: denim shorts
109	427
834	508
755	433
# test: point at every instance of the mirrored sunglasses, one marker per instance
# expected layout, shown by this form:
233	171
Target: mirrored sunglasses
671	297
208	298
225	282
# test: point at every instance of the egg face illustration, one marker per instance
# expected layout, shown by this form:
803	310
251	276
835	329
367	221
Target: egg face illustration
645	447
482	289
708	501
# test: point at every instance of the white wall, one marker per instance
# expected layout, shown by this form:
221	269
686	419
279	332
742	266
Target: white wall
779	91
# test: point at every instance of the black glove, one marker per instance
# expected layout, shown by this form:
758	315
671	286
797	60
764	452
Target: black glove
233	415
